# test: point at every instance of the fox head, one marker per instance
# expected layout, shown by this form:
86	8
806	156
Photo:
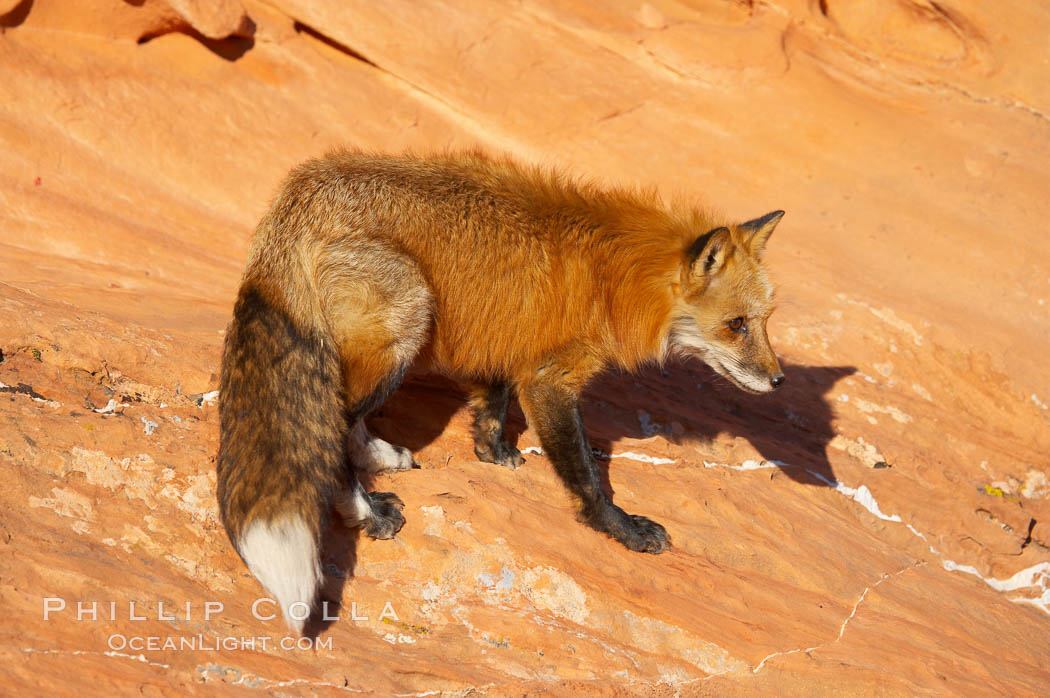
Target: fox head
723	300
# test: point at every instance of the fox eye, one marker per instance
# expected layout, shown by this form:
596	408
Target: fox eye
736	324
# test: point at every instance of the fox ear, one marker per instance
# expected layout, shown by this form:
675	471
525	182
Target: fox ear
757	232
707	254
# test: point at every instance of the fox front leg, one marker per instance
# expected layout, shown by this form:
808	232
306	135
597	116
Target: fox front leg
554	412
489	402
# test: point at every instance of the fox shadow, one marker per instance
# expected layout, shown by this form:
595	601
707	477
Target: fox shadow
686	403
689	404
338	560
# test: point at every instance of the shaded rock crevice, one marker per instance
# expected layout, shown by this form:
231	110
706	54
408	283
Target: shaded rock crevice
302	28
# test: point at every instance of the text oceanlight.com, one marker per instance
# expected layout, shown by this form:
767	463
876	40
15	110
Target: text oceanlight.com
202	643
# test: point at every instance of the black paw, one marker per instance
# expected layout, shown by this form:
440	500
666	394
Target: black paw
386	519
636	532
500	453
646	536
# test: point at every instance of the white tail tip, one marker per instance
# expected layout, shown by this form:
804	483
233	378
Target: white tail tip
283	556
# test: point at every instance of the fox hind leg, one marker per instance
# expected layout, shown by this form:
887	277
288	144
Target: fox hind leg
489	402
374	455
377	513
379	309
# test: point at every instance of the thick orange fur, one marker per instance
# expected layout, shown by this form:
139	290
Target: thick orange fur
521	261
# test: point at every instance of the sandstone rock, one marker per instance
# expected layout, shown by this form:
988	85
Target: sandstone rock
8	5
215	20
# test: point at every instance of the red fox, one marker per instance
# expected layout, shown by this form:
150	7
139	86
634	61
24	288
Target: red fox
503	276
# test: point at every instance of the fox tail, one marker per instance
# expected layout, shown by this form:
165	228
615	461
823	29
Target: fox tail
283	441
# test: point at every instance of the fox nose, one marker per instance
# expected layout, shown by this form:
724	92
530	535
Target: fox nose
777	380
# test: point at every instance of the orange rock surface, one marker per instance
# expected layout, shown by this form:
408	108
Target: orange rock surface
879	526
